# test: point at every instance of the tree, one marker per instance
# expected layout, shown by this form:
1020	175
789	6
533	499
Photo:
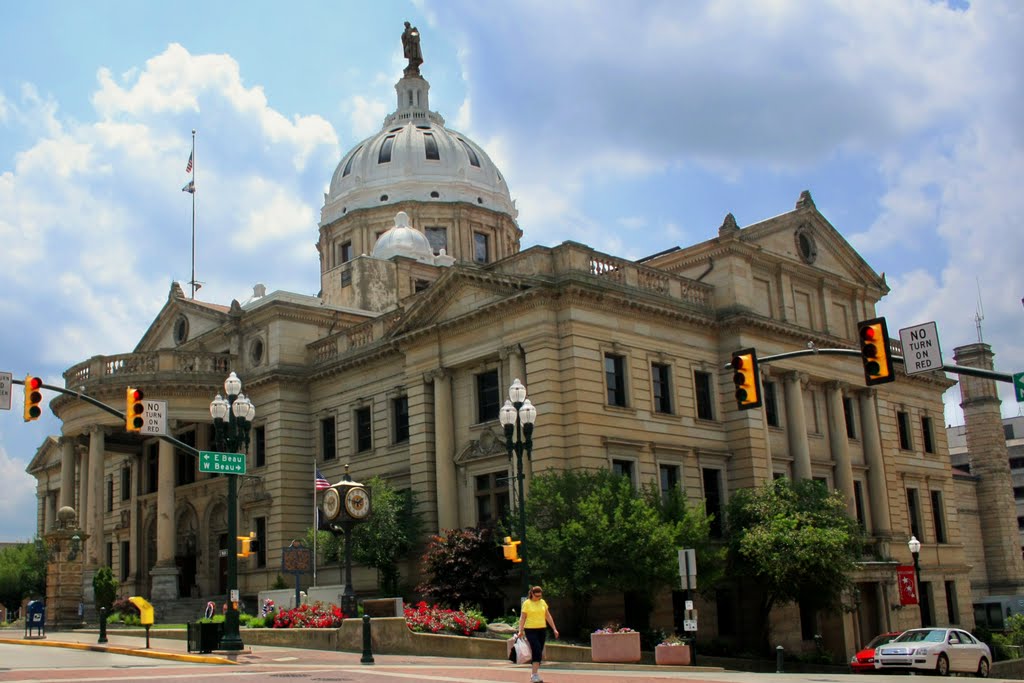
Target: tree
388	535
464	567
792	542
104	587
22	572
592	532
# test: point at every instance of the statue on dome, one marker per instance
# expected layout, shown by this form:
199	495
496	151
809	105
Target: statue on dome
411	49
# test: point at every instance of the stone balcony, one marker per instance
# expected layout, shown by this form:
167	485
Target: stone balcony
130	368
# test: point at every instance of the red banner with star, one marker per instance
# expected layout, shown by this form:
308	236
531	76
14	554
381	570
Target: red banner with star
908	584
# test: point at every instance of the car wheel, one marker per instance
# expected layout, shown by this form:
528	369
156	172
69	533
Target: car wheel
942	666
983	668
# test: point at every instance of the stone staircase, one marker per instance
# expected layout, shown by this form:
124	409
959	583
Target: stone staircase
182	610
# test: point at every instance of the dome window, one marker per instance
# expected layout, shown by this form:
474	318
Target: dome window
479	200
395	130
348	165
474	160
423	127
435	194
384	157
383	197
430	147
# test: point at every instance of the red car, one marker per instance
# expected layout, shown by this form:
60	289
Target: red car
864	661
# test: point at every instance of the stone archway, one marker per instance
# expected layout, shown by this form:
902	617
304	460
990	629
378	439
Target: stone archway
186	550
216	545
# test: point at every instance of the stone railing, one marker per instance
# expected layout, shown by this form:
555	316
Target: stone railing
125	366
325	350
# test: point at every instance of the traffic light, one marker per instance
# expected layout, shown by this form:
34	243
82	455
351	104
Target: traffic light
246	546
746	378
133	409
511	549
33	397
874	351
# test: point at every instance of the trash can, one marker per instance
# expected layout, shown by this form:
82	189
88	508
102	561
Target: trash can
204	637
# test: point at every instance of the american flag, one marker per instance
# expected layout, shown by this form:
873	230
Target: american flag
321	482
188	167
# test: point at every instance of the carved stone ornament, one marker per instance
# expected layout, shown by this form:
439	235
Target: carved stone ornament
489	444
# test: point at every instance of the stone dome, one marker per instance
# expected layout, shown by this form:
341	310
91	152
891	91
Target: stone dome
415	157
403	240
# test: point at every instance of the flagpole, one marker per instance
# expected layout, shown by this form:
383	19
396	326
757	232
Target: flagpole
316	522
193	193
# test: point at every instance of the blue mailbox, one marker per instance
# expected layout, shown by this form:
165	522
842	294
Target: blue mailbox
35	618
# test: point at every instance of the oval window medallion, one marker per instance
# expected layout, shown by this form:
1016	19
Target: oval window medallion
256	351
805	244
181	330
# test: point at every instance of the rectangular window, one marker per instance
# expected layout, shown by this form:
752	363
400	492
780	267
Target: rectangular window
492	502
110	494
615	379
903	423
481	248
110	555
808	622
185	463
914	511
713	499
345	252
662	386
771	406
669	477
400	416
438	239
364	430
952	609
848	412
858	503
126	482
346	277
1018	492
927	604
938	517
430	147
488	396
702	387
623	468
725	609
259	447
328	441
125	560
927	436
261	539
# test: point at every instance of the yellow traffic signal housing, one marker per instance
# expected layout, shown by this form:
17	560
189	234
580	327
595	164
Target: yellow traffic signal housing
133	409
874	351
33	398
746	378
511	549
246	546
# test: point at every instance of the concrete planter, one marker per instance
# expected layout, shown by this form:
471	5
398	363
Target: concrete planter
623	648
672	655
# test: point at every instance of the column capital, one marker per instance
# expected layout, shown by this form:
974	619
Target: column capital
100	429
512	350
836	385
868	392
796	376
436	374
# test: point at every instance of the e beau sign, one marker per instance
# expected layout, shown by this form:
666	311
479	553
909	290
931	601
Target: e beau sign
921	352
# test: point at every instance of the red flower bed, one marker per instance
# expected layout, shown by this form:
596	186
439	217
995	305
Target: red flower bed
432	619
317	615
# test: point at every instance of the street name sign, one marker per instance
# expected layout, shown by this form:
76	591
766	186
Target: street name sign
1018	387
688	568
221	463
154	418
921	351
6	382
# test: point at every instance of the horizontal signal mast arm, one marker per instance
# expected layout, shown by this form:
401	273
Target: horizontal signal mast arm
955	369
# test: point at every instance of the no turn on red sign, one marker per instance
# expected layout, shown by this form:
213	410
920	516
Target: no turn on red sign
921	352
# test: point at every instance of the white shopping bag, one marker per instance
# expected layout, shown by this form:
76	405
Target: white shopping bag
519	650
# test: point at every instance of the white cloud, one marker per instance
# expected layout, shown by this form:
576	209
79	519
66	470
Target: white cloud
366	115
19	496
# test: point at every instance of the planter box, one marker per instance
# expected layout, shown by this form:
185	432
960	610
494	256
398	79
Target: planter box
623	648
672	655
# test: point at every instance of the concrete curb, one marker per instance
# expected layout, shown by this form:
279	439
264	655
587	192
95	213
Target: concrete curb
113	649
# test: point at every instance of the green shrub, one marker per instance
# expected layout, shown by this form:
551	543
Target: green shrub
104	587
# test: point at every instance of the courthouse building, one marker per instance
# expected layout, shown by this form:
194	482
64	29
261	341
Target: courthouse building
428	309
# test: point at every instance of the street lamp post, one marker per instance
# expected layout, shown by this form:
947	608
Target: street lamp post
232	419
517	417
915	551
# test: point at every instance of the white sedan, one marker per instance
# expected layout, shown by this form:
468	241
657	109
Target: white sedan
941	650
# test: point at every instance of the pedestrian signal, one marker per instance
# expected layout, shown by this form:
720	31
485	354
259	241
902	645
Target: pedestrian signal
874	351
133	410
249	545
745	377
511	549
33	398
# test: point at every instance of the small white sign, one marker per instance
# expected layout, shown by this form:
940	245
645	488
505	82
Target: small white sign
688	605
689	624
6	382
154	418
921	351
234	595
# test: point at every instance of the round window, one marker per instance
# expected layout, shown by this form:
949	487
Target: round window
256	351
805	245
180	330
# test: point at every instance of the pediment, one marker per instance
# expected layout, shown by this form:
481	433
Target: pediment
489	444
47	455
182	320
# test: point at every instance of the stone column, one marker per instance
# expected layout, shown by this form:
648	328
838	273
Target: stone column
134	528
444	452
986	451
49	511
83	490
67	472
837	441
164	572
97	451
796	425
878	495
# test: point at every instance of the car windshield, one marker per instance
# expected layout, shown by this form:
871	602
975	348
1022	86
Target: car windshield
923	636
880	640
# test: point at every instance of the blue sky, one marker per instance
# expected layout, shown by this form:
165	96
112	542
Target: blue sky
631	127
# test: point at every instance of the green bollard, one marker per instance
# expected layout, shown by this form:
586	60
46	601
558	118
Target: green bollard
103	625
367	657
780	654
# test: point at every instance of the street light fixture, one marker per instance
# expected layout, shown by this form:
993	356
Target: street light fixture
232	419
915	551
517	417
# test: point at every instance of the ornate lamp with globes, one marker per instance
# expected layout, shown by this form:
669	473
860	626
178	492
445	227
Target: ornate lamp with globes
344	505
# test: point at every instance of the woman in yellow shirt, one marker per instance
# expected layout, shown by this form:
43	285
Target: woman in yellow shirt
533	621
